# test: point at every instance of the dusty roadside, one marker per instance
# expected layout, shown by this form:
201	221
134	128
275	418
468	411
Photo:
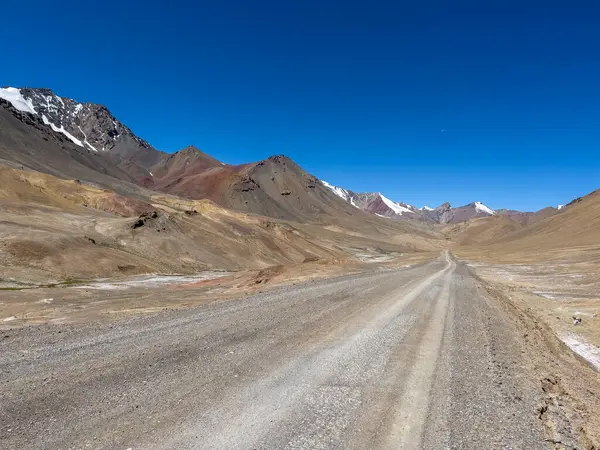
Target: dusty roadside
570	384
112	299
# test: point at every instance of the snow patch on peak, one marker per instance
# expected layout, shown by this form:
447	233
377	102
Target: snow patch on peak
340	192
63	131
398	209
14	96
85	141
484	209
426	208
560	206
343	193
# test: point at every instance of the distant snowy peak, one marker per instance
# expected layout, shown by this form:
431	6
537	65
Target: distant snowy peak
397	208
380	205
484	209
87	125
341	192
446	213
375	203
560	207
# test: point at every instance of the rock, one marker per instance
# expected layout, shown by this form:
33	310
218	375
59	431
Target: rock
143	218
246	184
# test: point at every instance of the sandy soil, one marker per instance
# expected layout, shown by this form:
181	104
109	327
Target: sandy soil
109	299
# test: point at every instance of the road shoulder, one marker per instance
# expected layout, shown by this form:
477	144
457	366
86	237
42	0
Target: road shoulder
569	386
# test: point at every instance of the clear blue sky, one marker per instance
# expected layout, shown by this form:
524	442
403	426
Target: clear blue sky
355	92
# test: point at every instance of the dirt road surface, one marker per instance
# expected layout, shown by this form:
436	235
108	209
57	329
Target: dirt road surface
412	358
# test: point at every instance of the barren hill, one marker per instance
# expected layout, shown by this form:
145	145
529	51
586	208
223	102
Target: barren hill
70	140
55	229
575	225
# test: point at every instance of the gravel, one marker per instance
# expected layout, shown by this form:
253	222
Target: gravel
412	358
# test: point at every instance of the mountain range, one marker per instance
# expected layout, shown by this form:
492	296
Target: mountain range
69	139
377	203
81	196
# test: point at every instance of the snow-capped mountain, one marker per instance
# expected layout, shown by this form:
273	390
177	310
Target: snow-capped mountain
88	125
95	131
445	213
343	193
377	203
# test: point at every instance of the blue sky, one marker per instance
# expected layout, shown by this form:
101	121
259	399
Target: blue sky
358	93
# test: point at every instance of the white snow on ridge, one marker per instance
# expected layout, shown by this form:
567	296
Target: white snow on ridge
484	209
398	209
63	131
13	95
343	193
340	192
560	206
426	208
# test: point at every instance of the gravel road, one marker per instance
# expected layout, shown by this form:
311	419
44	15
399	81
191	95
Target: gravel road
412	358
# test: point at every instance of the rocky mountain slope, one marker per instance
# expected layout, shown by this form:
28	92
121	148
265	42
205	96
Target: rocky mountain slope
69	139
84	197
87	125
72	140
27	142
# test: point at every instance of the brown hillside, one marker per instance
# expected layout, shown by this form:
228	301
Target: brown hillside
578	224
481	230
54	229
